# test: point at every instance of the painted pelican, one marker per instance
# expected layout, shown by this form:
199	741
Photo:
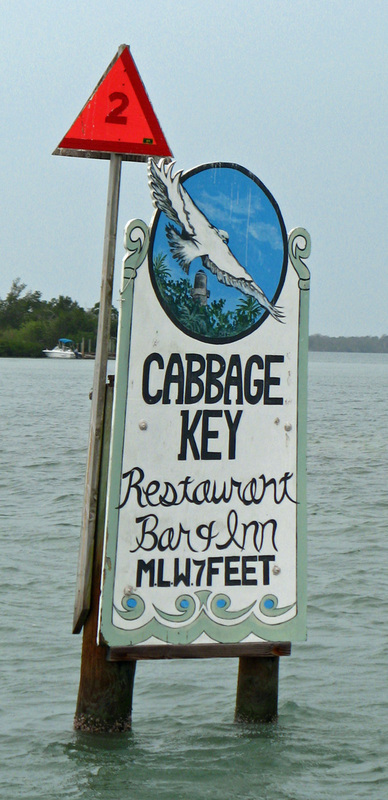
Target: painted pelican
198	237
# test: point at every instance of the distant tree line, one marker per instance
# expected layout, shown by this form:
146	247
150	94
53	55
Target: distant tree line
349	344
29	324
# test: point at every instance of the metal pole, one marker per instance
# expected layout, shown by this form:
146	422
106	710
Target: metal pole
84	574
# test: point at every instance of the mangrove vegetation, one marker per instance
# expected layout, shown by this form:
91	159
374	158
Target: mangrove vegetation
28	323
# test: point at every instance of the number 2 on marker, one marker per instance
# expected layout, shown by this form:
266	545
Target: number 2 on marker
115	116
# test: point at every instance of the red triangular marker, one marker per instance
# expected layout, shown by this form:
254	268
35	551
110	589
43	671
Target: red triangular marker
117	118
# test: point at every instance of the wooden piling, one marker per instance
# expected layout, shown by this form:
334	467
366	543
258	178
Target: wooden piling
257	689
105	691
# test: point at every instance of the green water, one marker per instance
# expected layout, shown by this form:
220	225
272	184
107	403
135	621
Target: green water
331	737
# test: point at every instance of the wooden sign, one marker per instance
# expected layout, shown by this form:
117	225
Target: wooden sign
117	118
205	529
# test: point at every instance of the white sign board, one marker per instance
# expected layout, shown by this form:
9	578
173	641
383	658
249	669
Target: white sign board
205	531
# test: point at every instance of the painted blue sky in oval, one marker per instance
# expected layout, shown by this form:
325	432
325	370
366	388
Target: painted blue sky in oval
233	201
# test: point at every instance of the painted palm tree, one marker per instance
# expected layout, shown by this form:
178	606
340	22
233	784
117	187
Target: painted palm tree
161	269
249	309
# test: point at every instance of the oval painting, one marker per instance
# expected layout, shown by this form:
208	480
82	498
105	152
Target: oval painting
218	250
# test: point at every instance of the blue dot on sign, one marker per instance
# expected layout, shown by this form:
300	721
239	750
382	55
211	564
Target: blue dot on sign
221	603
184	604
269	603
131	602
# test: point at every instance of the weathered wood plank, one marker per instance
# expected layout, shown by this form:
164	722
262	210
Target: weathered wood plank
144	652
85	559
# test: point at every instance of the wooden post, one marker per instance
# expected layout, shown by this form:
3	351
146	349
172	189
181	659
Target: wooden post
82	602
105	691
257	689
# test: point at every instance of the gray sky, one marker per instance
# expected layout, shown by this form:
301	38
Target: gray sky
294	90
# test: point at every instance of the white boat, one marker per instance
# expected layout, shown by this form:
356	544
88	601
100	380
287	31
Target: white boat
62	350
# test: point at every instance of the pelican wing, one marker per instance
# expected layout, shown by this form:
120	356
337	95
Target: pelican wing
233	274
171	197
222	262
